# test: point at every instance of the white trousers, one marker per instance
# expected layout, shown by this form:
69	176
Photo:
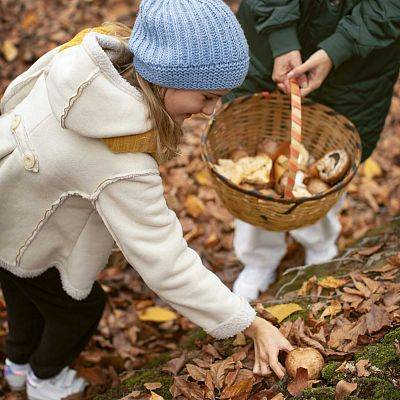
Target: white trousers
258	248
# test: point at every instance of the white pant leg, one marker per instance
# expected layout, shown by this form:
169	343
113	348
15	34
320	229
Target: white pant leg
257	247
319	239
261	252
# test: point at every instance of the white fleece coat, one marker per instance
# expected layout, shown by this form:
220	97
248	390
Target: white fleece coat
65	197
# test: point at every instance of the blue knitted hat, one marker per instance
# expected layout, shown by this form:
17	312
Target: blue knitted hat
189	44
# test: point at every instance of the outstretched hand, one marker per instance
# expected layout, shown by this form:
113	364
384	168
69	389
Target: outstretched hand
268	341
283	65
317	68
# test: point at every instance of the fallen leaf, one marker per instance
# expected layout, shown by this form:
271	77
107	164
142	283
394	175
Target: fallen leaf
219	371
343	389
241	388
152	385
175	365
155	396
371	168
9	50
196	372
194	206
132	395
377	318
158	314
368	251
300	382
332	283
361	368
333	309
240	340
282	311
279	396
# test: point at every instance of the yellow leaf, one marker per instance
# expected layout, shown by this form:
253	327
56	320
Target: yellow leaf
282	311
372	168
194	206
203	177
155	396
158	314
332	283
332	310
9	50
240	340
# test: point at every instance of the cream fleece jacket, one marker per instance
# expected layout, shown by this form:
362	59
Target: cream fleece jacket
65	197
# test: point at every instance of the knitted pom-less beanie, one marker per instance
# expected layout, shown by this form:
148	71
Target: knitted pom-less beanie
189	44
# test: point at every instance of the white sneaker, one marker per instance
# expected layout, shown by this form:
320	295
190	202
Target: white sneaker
253	280
15	375
320	255
62	385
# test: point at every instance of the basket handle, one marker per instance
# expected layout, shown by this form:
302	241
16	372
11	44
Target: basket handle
295	137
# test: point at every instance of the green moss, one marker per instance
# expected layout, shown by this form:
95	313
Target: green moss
383	355
137	381
190	342
160	360
374	388
329	373
319	393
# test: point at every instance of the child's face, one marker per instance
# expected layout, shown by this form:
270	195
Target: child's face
181	104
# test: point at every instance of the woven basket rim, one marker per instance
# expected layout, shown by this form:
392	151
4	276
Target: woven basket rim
295	201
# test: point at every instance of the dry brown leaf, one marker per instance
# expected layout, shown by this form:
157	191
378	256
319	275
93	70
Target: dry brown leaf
219	371
377	318
368	251
332	283
241	388
361	368
9	50
152	385
333	309
133	395
209	386
194	206
300	382
189	389
343	389
240	340
279	396
175	365
196	372
155	396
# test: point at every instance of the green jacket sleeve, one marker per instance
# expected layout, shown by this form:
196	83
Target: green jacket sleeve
373	24
278	20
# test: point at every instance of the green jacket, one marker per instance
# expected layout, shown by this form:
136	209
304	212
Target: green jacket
362	37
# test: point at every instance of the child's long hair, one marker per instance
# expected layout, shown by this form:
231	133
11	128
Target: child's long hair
169	132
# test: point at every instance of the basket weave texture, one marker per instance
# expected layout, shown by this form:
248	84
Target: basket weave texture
247	121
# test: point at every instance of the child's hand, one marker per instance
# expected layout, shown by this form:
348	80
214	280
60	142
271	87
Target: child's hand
317	68
283	65
268	341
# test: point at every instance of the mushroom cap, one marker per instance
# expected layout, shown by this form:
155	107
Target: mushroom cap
332	167
308	358
316	186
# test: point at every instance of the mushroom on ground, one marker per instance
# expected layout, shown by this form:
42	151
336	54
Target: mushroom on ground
331	168
308	358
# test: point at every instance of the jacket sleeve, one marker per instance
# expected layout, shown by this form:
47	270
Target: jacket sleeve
150	236
372	24
278	20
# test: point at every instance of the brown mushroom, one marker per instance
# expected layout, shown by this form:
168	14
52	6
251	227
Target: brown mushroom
308	358
267	146
331	168
316	186
238	154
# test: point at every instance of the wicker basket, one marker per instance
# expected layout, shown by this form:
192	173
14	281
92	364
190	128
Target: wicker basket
247	121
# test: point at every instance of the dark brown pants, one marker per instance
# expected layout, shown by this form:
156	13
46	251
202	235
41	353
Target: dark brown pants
47	328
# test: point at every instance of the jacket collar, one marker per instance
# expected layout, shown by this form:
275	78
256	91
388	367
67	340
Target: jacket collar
89	96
